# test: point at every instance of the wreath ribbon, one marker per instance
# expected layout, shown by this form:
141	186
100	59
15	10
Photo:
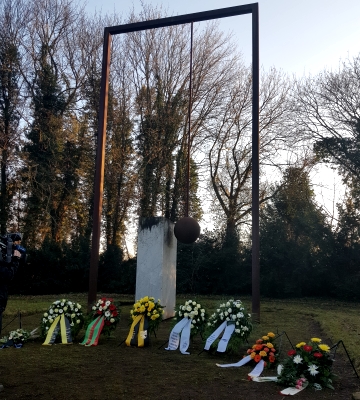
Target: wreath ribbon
222	345
180	334
255	373
138	334
93	331
60	323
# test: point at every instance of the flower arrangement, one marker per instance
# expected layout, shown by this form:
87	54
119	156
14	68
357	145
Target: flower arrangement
310	363
264	349
18	337
148	307
233	312
105	307
192	310
72	312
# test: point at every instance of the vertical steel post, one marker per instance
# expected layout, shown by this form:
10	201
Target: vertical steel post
189	126
255	167
99	170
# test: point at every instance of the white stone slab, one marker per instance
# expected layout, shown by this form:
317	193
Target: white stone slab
156	262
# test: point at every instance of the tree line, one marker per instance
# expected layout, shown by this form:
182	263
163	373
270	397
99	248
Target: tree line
50	72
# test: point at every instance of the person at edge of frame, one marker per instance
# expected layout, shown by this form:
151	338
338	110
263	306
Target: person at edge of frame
7	273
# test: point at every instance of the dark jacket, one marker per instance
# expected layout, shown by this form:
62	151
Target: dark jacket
7	272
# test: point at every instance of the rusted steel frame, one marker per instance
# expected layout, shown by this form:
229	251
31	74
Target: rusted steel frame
189	126
255	167
99	170
100	157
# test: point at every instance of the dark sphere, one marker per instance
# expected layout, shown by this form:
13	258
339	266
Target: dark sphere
187	230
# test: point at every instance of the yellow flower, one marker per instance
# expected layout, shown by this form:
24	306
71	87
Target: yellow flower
142	309
324	347
148	314
145	299
269	345
315	340
263	353
137	305
265	337
270	334
301	344
252	355
151	305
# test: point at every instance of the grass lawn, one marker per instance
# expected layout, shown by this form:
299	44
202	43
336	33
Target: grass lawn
113	371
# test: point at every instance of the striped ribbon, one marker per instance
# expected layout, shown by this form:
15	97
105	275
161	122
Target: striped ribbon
60	323
93	331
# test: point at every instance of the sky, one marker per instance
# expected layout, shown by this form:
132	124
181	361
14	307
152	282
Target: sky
299	37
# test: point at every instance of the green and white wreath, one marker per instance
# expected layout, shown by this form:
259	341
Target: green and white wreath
231	317
71	310
195	312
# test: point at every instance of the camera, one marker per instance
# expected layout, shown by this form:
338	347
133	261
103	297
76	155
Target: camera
7	247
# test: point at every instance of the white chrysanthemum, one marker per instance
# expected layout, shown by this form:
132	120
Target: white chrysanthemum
51	311
61	311
233	317
228	304
72	324
188	308
46	314
238	305
237	331
227	319
313	369
107	303
78	306
202	310
297	359
229	310
100	301
107	313
186	315
93	307
73	315
65	308
78	321
112	320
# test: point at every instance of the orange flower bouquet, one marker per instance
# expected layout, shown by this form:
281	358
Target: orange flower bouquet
265	350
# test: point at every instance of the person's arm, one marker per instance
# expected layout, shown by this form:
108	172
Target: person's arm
8	270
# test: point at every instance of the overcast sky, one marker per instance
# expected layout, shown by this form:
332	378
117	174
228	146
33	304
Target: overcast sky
297	36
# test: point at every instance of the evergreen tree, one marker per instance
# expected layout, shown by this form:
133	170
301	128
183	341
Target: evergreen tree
295	241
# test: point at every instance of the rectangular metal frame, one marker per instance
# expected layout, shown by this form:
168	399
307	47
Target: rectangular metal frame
100	155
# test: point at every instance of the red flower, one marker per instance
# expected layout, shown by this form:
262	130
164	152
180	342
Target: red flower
317	355
291	352
258	347
259	341
266	349
112	307
307	348
107	322
257	358
115	314
271	358
99	312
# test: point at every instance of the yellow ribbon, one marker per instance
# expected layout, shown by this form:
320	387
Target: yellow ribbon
140	338
49	336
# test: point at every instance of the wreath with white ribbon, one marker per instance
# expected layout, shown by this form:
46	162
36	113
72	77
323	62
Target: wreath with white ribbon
191	318
232	321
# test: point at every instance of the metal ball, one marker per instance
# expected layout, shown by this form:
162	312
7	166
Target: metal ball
187	230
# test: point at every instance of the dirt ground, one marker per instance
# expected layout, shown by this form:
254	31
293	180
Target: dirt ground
113	371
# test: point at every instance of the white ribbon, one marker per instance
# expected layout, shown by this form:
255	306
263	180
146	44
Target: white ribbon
225	338
259	368
290	391
244	361
211	339
254	373
183	327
